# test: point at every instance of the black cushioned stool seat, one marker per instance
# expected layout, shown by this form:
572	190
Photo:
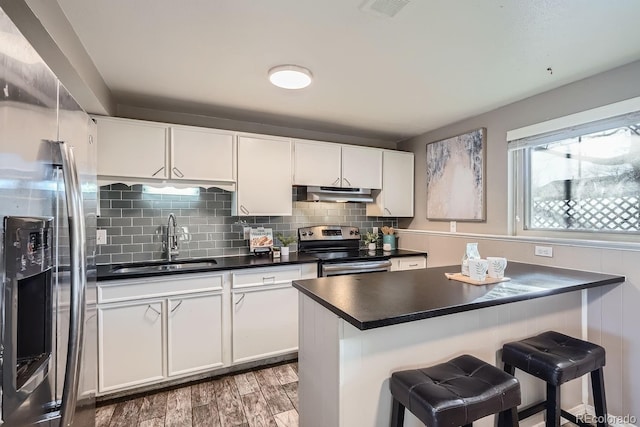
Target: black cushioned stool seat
454	393
557	358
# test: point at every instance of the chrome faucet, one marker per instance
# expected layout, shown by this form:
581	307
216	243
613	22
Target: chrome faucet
171	239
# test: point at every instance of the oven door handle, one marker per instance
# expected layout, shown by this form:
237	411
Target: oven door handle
367	265
77	251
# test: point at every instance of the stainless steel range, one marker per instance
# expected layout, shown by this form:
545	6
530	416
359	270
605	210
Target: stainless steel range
338	249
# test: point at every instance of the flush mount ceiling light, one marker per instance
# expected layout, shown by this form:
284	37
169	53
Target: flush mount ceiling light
290	76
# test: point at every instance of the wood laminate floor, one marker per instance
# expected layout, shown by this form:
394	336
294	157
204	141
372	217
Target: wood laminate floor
265	397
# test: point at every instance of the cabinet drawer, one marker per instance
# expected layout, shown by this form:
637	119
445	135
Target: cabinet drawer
272	275
122	290
267	276
408	263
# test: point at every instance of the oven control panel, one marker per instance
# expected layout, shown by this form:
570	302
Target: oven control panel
329	232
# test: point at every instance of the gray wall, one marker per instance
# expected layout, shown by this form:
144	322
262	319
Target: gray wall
612	313
606	88
134	220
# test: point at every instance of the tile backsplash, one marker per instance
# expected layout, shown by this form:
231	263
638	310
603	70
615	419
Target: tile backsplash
135	222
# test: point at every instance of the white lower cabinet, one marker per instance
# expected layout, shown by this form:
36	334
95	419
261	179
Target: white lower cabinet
194	343
265	323
130	345
156	329
264	313
408	263
151	330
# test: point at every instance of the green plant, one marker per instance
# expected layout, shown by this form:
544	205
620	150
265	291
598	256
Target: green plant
286	240
370	237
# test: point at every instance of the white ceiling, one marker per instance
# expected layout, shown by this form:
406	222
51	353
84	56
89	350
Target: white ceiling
434	63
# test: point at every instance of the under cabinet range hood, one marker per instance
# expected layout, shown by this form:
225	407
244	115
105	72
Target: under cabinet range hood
339	194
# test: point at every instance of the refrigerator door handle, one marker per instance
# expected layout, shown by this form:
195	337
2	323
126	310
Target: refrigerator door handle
77	250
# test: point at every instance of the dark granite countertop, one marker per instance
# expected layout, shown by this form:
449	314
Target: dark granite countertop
109	271
375	300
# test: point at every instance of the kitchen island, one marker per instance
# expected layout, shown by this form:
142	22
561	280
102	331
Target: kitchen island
356	330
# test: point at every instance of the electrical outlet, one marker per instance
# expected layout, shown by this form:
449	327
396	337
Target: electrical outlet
452	226
247	232
101	237
546	251
375	230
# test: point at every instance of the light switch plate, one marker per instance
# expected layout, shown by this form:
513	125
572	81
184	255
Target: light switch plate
101	237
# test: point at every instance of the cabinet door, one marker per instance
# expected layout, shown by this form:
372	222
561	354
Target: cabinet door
265	323
130	350
264	177
316	163
194	333
131	148
201	154
361	167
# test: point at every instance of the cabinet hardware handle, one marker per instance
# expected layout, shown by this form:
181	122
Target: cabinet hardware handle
176	307
264	279
158	171
348	183
336	181
240	300
413	265
388	211
152	309
91	317
177	172
244	210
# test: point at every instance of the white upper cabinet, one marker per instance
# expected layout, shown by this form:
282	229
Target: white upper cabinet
200	154
132	148
264	177
141	150
317	163
336	165
396	197
361	167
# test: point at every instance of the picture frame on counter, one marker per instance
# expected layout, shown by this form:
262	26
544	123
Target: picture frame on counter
456	184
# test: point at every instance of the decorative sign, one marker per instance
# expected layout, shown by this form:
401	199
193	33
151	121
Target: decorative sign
261	239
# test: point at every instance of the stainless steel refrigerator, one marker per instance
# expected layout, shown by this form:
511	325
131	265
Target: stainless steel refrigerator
48	204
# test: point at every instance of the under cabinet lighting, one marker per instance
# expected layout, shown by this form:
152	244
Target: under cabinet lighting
290	76
187	191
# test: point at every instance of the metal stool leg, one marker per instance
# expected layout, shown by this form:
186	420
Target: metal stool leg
553	406
397	414
599	400
508	418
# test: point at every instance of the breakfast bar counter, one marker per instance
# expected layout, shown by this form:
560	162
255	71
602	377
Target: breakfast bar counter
356	330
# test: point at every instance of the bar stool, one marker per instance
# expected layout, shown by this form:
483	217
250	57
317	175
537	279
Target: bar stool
556	359
455	393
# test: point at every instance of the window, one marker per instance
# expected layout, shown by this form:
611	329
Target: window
584	178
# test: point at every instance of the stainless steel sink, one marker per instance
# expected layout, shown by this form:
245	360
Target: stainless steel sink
165	267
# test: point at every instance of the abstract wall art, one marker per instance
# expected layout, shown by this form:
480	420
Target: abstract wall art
455	178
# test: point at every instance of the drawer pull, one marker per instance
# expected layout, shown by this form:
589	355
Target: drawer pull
413	265
177	306
152	309
240	300
272	278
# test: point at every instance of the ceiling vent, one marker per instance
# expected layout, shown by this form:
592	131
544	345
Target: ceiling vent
388	8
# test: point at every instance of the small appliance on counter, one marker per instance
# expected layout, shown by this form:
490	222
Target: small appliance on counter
261	240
